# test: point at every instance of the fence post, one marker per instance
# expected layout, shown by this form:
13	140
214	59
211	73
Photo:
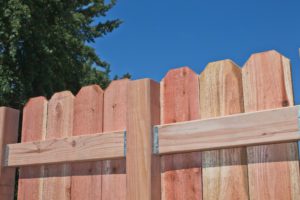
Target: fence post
143	168
9	121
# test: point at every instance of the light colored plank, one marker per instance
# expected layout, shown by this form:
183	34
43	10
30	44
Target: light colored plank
88	119
143	169
224	172
115	109
181	173
33	129
9	123
246	129
57	180
273	169
70	149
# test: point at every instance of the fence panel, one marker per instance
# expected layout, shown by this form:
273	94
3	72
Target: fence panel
88	119
181	173
273	169
115	110
224	171
33	129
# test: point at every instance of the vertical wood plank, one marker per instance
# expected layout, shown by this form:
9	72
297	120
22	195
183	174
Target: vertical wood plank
33	129
181	173
224	171
57	180
9	122
114	171
88	119
273	169
143	168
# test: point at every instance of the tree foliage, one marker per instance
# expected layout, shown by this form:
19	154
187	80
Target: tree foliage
43	47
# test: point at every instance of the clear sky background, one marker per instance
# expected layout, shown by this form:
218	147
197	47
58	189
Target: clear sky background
158	35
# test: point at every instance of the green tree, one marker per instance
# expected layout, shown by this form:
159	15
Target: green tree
44	47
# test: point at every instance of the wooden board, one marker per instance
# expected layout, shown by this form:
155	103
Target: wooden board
70	149
88	119
273	169
9	123
57	180
143	169
33	129
266	127
224	172
115	108
181	173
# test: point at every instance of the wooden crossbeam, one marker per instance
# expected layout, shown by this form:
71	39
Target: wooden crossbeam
264	127
70	149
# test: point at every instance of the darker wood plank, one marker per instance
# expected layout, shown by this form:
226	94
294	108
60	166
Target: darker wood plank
181	173
88	119
115	110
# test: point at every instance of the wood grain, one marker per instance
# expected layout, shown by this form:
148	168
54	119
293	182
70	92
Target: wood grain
9	123
70	149
224	172
143	168
181	173
265	127
57	180
88	119
33	129
273	169
115	108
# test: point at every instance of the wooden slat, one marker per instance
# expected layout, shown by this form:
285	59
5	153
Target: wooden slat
143	168
9	122
70	149
224	172
255	128
57	180
115	108
88	119
33	129
181	173
273	169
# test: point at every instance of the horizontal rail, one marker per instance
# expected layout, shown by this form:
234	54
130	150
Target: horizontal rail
99	146
270	126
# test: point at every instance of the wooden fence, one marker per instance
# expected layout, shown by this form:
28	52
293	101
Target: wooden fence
229	133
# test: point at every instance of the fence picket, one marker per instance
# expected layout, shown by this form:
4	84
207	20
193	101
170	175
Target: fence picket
33	129
9	123
115	108
224	171
88	118
181	173
57	180
273	169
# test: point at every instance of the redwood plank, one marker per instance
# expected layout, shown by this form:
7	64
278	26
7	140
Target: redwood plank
143	168
115	108
224	171
33	129
9	123
181	173
88	119
57	180
273	169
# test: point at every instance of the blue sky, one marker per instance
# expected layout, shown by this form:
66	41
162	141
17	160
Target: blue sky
158	35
